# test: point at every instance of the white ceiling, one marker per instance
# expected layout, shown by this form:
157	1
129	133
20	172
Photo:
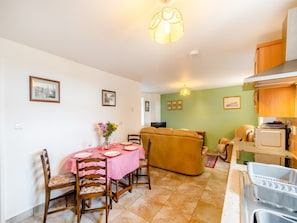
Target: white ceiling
113	36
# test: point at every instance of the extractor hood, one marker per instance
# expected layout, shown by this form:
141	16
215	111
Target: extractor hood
284	74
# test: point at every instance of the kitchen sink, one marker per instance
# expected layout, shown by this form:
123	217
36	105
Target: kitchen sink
254	210
264	216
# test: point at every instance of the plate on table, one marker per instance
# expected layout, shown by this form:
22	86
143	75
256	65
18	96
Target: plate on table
82	155
126	143
112	153
130	148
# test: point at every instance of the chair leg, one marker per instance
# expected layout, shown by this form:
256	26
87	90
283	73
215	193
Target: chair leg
110	201
106	210
106	215
137	174
116	197
46	205
130	181
89	204
148	178
78	212
110	196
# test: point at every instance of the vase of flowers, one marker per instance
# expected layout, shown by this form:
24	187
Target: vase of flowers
106	130
106	143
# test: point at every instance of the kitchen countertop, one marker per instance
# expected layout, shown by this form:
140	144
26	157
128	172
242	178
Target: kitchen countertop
250	147
231	209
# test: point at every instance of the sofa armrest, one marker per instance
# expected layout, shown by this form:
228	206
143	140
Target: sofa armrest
204	150
229	149
224	141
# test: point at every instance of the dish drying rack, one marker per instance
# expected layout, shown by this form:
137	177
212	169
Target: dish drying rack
273	184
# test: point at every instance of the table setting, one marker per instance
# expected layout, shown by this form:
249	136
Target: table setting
127	154
122	157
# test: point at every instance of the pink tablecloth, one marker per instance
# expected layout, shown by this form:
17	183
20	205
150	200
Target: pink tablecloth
118	166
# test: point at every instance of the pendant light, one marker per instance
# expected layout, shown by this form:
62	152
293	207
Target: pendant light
185	91
167	25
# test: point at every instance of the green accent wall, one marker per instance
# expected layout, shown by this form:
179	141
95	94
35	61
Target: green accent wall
203	110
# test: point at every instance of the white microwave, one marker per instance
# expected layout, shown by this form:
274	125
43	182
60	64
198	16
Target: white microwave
270	138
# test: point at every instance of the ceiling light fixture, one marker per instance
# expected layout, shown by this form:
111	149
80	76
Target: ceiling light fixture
167	25
185	91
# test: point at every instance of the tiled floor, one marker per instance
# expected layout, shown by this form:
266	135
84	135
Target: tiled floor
174	198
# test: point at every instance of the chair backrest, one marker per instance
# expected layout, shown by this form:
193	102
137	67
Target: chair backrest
91	173
135	138
46	166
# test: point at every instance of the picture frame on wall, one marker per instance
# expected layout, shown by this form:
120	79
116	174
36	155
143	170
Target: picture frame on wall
175	105
108	98
44	90
147	106
233	102
179	105
169	105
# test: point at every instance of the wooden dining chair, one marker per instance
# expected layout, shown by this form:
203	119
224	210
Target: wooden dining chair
92	181
57	182
135	138
144	168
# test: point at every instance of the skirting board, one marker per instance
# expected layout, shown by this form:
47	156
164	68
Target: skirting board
30	213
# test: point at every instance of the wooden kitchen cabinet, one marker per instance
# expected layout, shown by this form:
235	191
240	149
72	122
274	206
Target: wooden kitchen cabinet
273	102
277	102
268	55
269	159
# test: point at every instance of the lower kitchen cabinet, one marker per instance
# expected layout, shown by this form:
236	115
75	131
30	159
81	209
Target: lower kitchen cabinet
269	159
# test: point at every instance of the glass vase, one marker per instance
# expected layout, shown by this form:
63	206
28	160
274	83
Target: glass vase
106	143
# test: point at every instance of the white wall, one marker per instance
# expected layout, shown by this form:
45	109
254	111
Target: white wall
62	128
2	160
154	115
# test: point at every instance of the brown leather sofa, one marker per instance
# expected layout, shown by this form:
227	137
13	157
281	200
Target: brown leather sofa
176	150
242	133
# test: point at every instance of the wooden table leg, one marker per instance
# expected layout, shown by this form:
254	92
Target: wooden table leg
121	187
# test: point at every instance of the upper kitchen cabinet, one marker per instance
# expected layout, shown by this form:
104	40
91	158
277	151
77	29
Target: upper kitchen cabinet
275	76
269	55
277	102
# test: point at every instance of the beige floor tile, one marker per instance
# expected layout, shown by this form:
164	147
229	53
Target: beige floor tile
128	217
174	198
146	208
171	214
206	212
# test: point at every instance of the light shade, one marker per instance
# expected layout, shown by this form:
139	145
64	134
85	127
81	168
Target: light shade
167	26
185	91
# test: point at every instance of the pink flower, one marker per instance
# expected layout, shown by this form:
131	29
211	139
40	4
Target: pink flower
107	129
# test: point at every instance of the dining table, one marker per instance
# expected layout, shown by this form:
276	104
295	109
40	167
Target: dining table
122	161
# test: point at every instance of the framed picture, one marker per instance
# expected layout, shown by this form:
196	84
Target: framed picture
108	98
44	90
179	105
147	106
169	105
175	105
232	102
